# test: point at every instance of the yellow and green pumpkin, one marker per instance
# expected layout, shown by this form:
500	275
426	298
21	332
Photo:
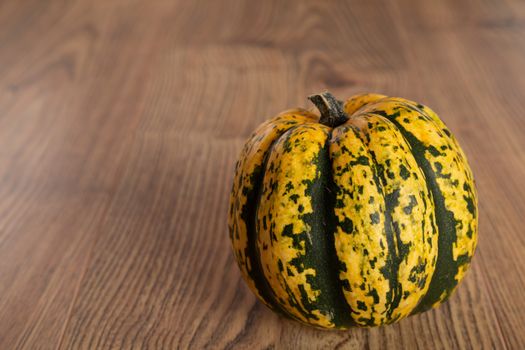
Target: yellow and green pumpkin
361	216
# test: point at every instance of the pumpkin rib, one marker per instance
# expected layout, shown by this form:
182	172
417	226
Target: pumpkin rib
255	250
409	223
342	310
266	236
449	270
443	274
393	244
359	210
248	175
292	237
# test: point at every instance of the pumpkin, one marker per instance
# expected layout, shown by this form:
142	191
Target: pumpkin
361	216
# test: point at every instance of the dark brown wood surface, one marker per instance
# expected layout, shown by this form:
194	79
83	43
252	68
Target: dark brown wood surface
121	121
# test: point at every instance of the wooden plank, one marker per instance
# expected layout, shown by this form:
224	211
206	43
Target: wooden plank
121	121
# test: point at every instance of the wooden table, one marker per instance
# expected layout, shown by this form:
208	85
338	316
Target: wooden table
120	123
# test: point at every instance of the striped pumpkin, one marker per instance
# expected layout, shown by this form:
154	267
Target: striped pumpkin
359	217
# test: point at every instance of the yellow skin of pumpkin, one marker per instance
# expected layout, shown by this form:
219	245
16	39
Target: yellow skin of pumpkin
286	147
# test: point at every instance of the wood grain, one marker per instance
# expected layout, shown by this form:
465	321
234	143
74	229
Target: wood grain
121	121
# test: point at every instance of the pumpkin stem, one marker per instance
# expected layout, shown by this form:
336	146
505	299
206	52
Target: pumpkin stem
332	112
